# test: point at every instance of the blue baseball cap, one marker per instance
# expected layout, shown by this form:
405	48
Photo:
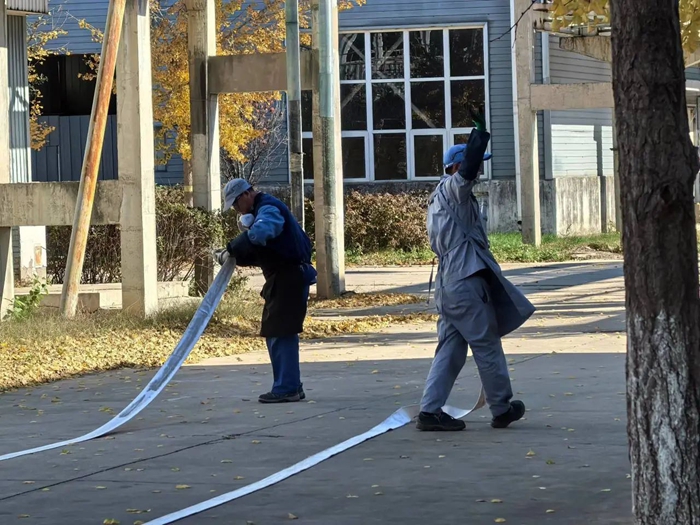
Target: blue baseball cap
455	155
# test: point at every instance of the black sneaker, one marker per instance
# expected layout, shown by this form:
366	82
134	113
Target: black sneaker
439	422
516	412
302	394
279	398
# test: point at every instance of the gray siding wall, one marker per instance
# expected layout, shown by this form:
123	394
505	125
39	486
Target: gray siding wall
61	160
20	168
692	73
581	140
403	14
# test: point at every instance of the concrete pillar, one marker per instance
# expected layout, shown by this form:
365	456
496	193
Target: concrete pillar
527	126
136	162
204	115
7	279
328	163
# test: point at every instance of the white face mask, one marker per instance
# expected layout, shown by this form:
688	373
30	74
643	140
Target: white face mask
245	221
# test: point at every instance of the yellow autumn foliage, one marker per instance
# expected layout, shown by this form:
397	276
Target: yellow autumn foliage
40	33
567	13
242	28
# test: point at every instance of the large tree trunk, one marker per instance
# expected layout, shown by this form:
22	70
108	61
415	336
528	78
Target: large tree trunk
657	170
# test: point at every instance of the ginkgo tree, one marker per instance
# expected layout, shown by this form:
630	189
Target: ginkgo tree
242	28
567	13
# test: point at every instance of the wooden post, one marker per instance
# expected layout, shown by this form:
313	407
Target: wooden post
137	163
93	154
204	118
7	279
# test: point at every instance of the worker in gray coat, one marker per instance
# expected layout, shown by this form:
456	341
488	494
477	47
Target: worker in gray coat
476	303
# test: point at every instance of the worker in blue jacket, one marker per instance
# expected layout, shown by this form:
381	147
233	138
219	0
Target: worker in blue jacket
277	244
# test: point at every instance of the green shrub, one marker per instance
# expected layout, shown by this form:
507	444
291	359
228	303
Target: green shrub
182	236
381	221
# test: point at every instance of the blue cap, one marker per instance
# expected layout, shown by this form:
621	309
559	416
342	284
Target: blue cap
456	153
234	189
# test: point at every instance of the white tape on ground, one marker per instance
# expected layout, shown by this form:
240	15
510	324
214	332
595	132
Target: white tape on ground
398	419
165	374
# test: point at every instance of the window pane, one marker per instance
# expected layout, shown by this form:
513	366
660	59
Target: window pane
389	106
390	157
354	158
428	104
427	154
387	55
352	56
467	94
307	147
354	106
463	138
466	52
426	54
306	124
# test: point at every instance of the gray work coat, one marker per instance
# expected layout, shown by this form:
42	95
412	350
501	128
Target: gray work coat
458	238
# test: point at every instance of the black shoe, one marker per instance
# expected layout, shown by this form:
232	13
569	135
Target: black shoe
279	398
439	422
516	412
302	394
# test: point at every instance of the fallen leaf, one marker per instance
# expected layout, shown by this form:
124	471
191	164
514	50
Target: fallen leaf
530	453
606	490
182	487
111	522
175	469
496	501
550	462
378	493
239	478
28	482
375	371
500	520
292	516
352	496
22	516
550	511
255	442
226	461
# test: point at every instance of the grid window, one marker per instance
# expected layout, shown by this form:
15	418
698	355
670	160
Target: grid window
405	97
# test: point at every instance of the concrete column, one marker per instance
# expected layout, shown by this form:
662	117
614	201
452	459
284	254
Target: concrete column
136	162
7	279
328	165
527	126
204	115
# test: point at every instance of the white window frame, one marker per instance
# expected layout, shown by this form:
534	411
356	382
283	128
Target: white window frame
448	133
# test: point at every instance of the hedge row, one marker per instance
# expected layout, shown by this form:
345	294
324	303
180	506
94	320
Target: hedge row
373	222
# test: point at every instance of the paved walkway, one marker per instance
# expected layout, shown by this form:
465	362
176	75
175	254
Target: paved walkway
565	464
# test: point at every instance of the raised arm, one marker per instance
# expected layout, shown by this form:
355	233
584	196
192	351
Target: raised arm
461	184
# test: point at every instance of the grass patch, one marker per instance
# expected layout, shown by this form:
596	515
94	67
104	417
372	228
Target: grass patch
44	347
506	248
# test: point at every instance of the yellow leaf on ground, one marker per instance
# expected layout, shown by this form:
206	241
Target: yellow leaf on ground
182	487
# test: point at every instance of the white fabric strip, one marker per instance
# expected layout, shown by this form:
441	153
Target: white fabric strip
398	419
192	334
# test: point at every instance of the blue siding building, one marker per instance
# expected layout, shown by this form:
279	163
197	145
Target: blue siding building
409	70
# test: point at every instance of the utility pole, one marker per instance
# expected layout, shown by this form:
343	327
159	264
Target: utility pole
294	108
328	166
527	125
93	154
204	119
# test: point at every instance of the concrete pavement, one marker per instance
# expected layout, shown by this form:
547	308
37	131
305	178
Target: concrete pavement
566	463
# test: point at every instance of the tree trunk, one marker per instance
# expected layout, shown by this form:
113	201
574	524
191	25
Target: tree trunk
657	169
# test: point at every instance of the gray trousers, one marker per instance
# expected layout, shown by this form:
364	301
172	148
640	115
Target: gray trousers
467	318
